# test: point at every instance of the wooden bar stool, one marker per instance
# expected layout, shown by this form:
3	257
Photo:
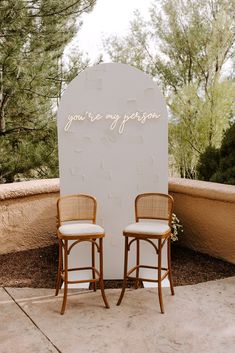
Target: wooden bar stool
73	211
153	213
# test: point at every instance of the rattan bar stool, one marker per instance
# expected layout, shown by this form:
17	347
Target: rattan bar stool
73	211
153	212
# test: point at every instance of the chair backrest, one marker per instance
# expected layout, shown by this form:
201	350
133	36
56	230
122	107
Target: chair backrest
154	206
76	208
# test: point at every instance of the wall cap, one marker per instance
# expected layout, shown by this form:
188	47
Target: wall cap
203	189
28	188
197	188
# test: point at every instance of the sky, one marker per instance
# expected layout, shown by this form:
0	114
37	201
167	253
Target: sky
108	17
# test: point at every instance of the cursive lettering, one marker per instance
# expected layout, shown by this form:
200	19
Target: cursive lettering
117	121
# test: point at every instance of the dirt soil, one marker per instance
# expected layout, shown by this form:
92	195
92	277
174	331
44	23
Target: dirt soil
37	268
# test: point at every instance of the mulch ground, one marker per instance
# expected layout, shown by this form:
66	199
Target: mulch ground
37	268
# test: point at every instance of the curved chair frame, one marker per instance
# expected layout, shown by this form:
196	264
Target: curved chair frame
64	251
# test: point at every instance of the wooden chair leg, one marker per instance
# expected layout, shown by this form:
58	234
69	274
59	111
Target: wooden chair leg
169	265
101	280
137	263
58	278
160	275
125	272
93	263
65	276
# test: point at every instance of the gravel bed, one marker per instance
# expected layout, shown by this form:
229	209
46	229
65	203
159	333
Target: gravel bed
37	268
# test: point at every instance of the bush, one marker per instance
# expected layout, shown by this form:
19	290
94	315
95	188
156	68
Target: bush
218	165
208	163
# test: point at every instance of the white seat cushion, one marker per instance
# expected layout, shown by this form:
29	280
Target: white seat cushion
153	228
81	229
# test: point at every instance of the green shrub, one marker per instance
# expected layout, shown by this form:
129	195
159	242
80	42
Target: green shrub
208	163
218	165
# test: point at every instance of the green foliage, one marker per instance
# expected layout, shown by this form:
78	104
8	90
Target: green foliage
34	35
208	163
218	165
187	46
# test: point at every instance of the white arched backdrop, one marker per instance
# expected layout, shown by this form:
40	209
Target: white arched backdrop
113	144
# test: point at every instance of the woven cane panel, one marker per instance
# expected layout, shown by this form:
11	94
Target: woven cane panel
77	208
153	206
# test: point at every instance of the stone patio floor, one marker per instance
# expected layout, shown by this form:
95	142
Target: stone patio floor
199	318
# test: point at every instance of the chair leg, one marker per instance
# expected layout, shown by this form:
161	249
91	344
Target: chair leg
169	265
101	280
65	276
125	272
137	263
93	263
160	275
58	278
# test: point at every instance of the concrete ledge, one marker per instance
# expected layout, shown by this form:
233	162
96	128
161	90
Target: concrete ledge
207	212
28	215
207	190
27	188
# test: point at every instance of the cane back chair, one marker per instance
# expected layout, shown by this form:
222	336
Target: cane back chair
73	211
153	213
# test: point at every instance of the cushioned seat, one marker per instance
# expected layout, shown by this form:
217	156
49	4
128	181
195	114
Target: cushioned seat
80	229
150	228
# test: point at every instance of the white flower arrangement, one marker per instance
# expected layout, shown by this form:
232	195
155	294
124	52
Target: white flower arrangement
176	227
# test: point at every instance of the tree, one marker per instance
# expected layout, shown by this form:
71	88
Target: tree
33	73
218	165
186	46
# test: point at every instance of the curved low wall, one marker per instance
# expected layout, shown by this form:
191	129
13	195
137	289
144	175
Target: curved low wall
28	214
206	210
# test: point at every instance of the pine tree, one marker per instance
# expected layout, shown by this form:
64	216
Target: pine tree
33	37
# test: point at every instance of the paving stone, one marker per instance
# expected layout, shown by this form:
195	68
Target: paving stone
17	332
199	318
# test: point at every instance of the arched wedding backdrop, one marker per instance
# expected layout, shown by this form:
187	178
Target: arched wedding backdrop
112	130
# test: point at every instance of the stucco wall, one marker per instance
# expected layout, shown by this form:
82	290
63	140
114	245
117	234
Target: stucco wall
28	214
207	212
